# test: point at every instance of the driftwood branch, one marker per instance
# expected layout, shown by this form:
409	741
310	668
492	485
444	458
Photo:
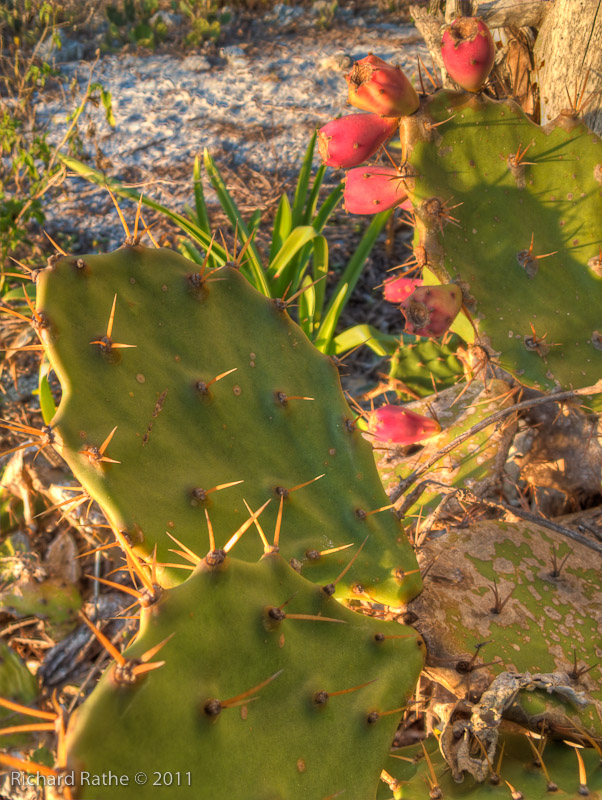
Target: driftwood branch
500	13
430	26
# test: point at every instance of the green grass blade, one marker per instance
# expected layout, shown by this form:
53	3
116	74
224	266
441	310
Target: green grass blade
383	344
318	224
319	270
327	207
281	270
190	251
302	186
94	176
310	208
307	307
202	215
47	404
254	220
282	226
252	269
350	277
325	333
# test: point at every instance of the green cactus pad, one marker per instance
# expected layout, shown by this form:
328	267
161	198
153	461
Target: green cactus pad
278	421
278	742
424	364
518	768
545	625
466	170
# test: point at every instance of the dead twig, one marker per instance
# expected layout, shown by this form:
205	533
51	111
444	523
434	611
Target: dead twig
496	418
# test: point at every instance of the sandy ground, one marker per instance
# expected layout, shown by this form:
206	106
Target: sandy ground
253	104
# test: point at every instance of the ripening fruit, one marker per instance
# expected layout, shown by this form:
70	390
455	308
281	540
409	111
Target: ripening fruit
349	141
399	425
369	190
375	85
468	52
430	310
396	290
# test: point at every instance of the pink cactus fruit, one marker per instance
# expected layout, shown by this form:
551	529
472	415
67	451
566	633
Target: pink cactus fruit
349	141
468	52
369	190
430	310
397	289
399	425
375	85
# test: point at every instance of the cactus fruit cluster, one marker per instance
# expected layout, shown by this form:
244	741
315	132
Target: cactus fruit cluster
506	220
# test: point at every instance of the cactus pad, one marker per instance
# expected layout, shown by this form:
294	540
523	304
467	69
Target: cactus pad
300	734
216	387
496	583
520	778
494	194
420	365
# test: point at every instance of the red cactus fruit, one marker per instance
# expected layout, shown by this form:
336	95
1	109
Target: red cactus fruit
430	310
369	190
399	425
468	52
397	289
349	141
381	88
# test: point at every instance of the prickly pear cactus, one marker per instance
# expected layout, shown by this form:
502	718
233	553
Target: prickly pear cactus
421	364
186	393
533	600
284	695
511	212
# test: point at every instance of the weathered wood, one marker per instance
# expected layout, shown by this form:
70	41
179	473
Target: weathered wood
430	27
568	47
500	13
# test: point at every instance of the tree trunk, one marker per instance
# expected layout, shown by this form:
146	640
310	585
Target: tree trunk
568	47
430	27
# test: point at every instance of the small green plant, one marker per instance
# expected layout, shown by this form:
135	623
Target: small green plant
132	23
205	21
324	11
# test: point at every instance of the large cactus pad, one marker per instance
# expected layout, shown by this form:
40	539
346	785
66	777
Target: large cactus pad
277	421
299	734
506	585
488	212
